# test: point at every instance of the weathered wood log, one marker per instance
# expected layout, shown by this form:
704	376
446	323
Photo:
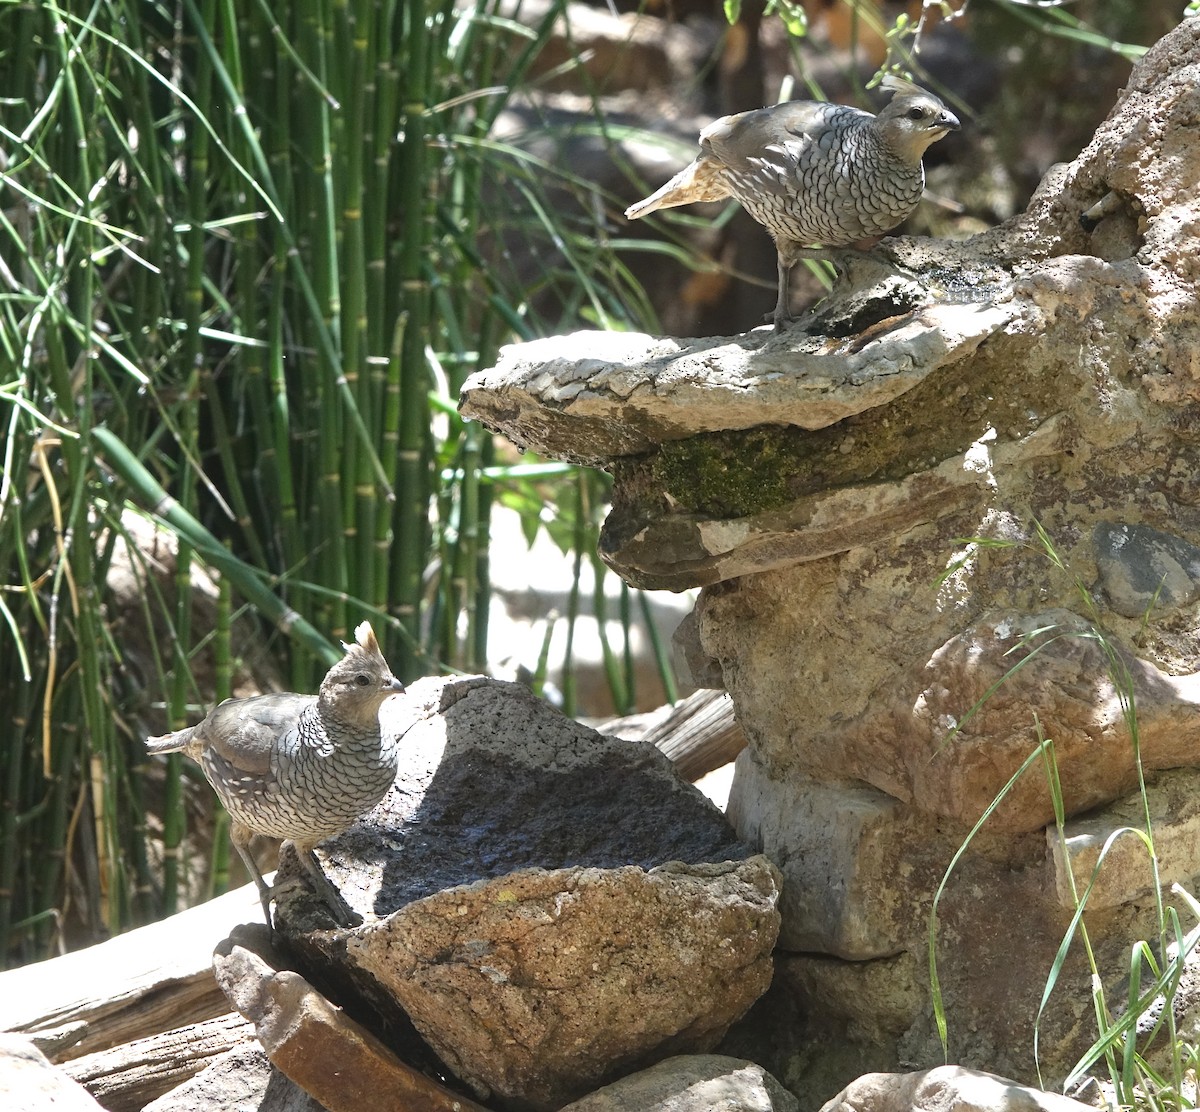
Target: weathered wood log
151	979
699	733
126	1078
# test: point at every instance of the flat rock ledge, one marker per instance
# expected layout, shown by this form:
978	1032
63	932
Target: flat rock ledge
592	397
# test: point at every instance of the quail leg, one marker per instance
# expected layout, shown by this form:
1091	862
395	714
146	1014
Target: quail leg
344	915
789	256
782	316
240	836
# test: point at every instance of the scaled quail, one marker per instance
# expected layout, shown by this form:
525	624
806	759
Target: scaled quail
301	767
812	173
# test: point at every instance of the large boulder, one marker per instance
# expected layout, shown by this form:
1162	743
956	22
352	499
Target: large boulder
548	905
539	985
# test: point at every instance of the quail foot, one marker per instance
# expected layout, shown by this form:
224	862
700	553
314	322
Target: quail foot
301	767
815	175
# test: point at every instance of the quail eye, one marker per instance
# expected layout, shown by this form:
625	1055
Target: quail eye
916	113
362	679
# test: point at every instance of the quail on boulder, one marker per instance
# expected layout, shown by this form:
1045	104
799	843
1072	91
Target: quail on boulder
301	767
814	174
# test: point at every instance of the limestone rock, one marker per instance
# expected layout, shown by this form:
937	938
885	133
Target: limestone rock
783	504
864	1003
492	780
692	1083
945	1087
866	839
241	1079
538	985
1049	671
1125	875
860	871
316	1044
963	720
29	1083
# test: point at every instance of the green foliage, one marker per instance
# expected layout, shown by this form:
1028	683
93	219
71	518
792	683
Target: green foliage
1050	18
248	255
1154	973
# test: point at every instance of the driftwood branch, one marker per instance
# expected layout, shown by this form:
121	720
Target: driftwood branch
700	733
149	980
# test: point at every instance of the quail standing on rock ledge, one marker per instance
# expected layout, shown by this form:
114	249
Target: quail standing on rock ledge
813	173
301	767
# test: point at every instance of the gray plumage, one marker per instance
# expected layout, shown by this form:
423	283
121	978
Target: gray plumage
813	173
300	767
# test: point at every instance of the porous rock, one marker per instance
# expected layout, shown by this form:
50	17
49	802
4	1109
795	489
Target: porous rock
527	877
538	985
964	719
492	779
943	1087
1172	802
989	693
870	841
692	1083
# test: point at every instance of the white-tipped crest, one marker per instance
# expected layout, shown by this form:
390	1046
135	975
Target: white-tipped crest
901	86
365	636
364	639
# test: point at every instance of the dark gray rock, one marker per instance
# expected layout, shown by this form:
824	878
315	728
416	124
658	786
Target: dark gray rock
493	780
549	905
1141	567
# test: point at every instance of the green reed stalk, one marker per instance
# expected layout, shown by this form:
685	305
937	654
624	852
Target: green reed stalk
218	874
411	186
243	248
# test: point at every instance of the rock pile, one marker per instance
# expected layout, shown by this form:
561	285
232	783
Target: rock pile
547	909
550	907
948	540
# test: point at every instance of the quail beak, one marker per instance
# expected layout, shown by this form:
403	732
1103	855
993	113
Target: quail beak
946	121
394	685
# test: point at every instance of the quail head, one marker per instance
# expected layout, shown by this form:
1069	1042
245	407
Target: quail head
814	174
301	767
